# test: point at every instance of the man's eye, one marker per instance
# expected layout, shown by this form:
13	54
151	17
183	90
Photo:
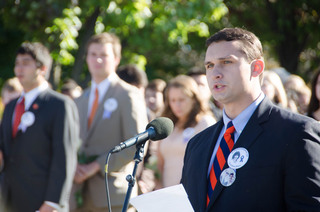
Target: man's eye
209	66
227	62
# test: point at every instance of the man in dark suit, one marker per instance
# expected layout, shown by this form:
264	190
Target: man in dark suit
39	137
278	168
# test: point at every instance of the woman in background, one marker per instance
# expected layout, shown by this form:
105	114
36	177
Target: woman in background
298	92
11	89
190	115
314	107
273	87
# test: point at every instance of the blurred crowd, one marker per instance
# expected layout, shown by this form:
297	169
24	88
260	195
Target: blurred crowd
185	99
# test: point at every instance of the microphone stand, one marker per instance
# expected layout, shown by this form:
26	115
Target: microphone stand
131	178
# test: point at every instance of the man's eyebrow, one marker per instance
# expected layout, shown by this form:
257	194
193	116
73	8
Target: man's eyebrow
221	58
224	58
207	63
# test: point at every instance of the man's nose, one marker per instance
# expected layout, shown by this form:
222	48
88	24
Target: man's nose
152	99
99	60
216	73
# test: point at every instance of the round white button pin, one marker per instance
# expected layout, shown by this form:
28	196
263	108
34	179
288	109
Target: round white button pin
238	158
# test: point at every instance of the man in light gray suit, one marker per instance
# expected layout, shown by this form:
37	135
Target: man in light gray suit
110	112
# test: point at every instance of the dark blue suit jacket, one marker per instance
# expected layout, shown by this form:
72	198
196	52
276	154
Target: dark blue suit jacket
282	173
40	162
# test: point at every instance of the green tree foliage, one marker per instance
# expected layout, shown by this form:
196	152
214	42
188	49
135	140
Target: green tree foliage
163	37
291	29
154	34
24	20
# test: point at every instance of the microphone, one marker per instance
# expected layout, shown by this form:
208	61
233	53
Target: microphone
157	129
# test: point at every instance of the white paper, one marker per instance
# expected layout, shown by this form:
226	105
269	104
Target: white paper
170	199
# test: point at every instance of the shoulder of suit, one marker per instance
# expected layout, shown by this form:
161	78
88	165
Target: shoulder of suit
8	109
200	140
55	97
292	121
204	134
85	95
126	86
208	119
12	102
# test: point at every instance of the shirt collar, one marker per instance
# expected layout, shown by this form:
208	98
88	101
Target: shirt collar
30	96
102	86
241	120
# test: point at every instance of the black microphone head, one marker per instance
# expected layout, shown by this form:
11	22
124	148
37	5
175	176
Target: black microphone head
163	127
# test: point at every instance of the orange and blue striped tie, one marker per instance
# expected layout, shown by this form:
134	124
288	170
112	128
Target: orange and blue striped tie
226	145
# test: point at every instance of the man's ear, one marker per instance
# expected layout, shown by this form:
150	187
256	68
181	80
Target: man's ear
43	70
257	67
117	61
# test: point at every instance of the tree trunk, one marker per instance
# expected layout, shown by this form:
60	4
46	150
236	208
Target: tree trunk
87	32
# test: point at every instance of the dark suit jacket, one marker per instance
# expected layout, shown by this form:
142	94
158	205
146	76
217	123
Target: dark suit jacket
282	173
40	162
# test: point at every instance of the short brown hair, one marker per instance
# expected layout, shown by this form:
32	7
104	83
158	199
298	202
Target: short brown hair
250	43
157	85
133	75
104	38
39	53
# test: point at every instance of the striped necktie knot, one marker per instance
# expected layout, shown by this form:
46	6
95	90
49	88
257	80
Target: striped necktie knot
229	135
230	128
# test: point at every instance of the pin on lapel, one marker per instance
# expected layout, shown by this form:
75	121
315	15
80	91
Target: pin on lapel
110	105
35	106
27	120
238	158
227	177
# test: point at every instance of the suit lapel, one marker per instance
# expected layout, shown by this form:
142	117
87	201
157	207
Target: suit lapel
253	128
218	188
248	136
9	121
204	162
82	105
38	102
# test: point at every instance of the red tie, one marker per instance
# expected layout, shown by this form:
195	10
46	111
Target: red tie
222	154
94	108
19	110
